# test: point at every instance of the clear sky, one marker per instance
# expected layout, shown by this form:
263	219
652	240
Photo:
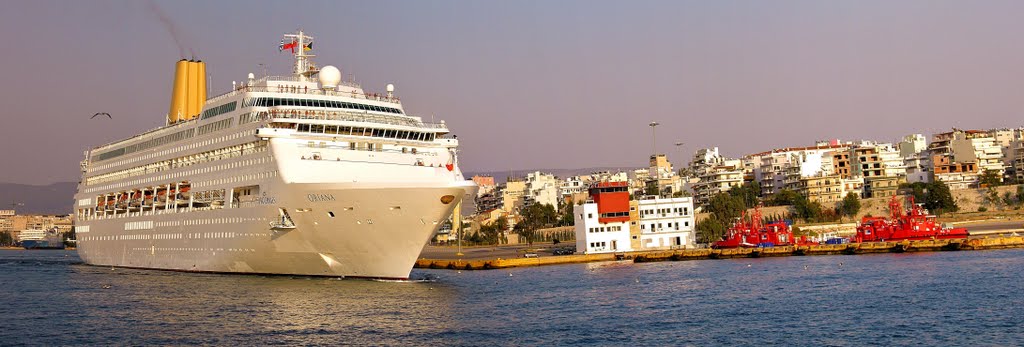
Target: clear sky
531	84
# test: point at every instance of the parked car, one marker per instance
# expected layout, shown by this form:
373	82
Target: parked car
530	255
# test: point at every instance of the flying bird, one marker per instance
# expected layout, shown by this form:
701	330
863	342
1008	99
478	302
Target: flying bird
101	114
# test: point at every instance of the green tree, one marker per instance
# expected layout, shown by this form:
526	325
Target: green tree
917	190
990	178
850	206
992	197
535	216
6	239
807	210
725	207
1009	200
565	217
749	193
784	197
938	199
651	188
710	230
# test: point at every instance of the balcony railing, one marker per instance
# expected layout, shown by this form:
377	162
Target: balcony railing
309	91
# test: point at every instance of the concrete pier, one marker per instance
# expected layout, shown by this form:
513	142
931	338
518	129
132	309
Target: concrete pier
976	244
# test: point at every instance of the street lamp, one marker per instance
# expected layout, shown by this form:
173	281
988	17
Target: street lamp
654	138
680	146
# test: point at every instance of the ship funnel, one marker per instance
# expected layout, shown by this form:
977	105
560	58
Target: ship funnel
198	97
179	93
188	96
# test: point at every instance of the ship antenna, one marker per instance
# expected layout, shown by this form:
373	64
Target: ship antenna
304	67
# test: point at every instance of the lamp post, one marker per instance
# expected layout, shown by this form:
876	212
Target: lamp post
654	138
680	146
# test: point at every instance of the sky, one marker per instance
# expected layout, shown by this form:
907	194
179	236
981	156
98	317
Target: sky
530	84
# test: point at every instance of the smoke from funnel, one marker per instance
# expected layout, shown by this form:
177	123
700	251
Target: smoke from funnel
171	28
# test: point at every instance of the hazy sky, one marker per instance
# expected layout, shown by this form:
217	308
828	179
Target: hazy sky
531	84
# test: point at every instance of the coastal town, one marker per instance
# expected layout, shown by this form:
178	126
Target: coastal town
820	186
665	207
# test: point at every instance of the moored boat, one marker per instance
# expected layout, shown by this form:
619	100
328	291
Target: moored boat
911	223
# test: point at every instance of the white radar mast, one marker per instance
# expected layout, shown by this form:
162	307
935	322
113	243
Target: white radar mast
304	68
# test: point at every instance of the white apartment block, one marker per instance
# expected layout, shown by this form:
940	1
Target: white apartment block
542	188
665	223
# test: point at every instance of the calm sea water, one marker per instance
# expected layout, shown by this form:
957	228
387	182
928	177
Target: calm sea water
955	298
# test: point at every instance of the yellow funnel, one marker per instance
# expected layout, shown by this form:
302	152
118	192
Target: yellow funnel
179	93
193	90
201	91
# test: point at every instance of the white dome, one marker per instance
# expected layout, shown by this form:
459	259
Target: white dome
329	77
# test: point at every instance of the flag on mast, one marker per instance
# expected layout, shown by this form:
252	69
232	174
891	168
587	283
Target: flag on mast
284	46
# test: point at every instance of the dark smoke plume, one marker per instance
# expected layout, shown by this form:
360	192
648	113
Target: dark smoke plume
171	28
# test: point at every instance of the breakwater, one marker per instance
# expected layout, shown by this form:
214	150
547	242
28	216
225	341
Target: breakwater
976	244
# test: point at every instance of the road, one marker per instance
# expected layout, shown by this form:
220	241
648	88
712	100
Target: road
994	227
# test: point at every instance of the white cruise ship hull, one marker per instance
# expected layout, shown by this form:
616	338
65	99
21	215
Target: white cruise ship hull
375	232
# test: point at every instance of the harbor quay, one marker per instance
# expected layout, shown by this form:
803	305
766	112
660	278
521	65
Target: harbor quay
905	246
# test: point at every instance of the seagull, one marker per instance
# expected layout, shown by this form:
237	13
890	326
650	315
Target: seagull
101	114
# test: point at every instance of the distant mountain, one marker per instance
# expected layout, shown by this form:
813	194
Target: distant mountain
57	198
502	176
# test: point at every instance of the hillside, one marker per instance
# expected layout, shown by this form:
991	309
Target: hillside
56	198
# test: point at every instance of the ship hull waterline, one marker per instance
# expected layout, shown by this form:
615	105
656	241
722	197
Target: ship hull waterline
340	230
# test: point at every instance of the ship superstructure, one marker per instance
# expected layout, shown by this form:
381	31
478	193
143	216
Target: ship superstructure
302	174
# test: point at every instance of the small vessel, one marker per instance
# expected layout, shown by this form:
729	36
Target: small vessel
751	232
40	239
912	223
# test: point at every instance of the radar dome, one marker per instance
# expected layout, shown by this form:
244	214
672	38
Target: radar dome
329	77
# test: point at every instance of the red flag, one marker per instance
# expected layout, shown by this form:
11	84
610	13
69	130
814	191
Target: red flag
290	46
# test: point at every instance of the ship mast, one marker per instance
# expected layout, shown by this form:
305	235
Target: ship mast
304	68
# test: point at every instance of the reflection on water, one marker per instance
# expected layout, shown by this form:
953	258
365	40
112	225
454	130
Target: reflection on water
77	303
954	298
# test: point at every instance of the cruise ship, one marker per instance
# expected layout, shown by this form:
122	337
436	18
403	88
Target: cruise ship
304	174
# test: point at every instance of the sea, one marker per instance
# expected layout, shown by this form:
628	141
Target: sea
930	299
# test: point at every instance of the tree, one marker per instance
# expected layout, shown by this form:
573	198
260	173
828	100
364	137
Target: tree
710	230
850	206
535	216
992	197
6	239
807	210
565	217
1009	200
918	190
749	193
784	197
938	199
990	178
725	207
651	188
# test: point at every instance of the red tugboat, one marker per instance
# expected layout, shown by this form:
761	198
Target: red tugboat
914	224
752	233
